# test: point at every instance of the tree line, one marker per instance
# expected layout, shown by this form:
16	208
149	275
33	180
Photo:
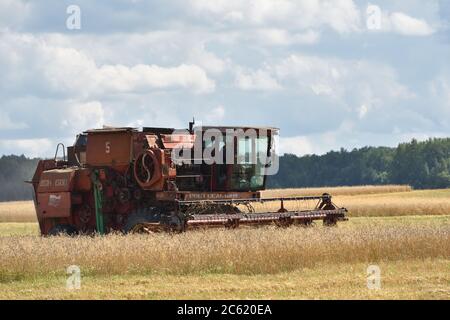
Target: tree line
420	164
423	165
14	171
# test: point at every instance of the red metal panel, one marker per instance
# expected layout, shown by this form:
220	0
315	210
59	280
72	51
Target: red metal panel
83	180
58	180
109	149
54	205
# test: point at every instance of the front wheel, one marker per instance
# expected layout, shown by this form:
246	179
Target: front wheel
330	222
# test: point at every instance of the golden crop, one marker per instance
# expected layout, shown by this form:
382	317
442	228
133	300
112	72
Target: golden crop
242	251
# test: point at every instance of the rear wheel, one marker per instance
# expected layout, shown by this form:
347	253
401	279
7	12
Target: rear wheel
63	229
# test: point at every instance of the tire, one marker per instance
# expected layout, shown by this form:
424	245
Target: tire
141	216
63	229
330	222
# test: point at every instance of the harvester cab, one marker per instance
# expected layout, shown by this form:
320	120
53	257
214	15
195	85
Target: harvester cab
153	179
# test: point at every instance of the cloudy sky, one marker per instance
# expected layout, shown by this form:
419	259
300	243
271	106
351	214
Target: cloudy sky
329	74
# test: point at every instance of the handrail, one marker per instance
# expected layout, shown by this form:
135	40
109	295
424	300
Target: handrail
64	151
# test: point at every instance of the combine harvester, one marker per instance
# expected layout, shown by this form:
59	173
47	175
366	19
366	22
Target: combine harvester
162	179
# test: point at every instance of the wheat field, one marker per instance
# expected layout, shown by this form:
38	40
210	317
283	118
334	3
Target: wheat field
391	200
245	251
17	211
336	191
406	232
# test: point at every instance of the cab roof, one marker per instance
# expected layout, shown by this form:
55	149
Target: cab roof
222	128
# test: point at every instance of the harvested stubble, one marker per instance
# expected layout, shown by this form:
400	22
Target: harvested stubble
243	251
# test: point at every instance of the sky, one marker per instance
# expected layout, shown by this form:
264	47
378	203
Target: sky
330	74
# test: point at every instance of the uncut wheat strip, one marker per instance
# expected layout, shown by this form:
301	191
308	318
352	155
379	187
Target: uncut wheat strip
17	211
391	206
357	190
243	251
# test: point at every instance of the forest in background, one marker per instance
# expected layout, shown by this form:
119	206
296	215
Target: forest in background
423	165
14	171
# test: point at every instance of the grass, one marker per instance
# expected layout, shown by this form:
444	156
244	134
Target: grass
412	279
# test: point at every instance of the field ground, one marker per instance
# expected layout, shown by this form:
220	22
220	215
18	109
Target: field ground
414	279
406	233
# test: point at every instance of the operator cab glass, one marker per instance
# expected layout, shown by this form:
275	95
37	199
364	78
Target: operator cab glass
245	157
249	168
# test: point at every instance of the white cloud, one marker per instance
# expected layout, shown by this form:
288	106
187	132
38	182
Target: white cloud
321	89
338	78
281	37
79	117
406	25
67	71
141	77
256	80
310	73
215	115
403	24
341	15
296	145
332	87
363	111
207	60
29	147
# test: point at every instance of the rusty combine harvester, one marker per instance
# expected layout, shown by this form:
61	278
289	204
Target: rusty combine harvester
124	179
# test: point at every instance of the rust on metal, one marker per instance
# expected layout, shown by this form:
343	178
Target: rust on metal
54	205
125	179
109	148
